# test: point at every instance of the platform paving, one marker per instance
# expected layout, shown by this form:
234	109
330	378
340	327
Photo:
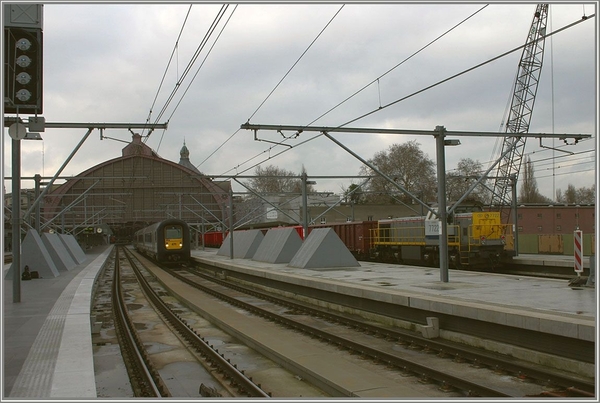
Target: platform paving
47	348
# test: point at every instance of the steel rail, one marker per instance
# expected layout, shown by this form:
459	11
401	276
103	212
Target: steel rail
236	376
471	388
144	377
475	356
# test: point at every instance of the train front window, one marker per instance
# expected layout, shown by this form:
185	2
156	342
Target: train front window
173	232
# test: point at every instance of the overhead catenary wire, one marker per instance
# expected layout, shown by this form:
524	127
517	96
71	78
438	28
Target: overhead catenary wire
550	159
199	49
296	62
458	74
376	80
276	86
175	47
195	56
203	61
429	87
198	70
565	173
270	156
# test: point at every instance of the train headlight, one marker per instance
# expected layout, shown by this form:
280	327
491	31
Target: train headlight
180	244
167	245
482	239
503	238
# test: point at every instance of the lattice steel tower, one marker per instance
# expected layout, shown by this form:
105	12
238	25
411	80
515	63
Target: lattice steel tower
525	89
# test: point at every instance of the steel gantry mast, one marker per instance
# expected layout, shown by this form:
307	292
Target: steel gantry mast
523	99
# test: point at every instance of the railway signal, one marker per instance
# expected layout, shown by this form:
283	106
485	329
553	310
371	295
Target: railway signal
23	78
22	58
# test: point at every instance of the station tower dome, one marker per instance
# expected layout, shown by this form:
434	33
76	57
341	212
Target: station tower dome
185	159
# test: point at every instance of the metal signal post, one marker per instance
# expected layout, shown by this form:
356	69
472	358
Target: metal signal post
23	59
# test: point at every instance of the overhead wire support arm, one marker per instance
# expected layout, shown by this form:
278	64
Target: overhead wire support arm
67	125
277	143
363	130
325	131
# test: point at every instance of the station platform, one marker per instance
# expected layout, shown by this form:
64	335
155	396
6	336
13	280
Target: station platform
47	336
550	260
47	345
543	304
539	304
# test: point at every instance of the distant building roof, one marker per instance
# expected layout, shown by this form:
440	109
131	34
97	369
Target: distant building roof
185	159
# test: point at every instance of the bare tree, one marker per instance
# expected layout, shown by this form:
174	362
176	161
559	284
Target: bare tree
529	192
272	179
463	177
572	195
586	195
408	166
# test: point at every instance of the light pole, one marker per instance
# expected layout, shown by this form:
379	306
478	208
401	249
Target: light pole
513	183
16	218
305	182
17	131
230	223
442	213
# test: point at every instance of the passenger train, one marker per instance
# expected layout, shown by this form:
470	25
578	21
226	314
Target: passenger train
166	241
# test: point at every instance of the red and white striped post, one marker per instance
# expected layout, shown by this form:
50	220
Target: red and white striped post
577	251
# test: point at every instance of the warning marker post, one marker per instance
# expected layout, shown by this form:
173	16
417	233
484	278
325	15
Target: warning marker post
578	251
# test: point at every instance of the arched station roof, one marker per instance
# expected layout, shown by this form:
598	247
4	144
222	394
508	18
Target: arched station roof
138	187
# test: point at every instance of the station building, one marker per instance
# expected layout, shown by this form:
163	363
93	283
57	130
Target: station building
555	218
124	194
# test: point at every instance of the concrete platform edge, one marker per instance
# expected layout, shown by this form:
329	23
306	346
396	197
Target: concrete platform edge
60	363
563	324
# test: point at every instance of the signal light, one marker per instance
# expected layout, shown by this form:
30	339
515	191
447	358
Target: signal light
23	70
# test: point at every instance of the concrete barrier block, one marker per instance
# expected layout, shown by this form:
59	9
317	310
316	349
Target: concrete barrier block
72	246
279	246
245	244
35	255
61	258
323	249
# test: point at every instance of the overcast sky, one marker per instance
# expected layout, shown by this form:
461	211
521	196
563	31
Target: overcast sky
105	63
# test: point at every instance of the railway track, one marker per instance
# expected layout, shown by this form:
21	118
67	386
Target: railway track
179	370
229	376
381	344
444	367
143	374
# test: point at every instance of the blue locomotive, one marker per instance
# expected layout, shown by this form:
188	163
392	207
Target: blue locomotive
166	241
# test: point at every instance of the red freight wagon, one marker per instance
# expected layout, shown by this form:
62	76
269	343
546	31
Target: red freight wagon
300	230
213	239
355	235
